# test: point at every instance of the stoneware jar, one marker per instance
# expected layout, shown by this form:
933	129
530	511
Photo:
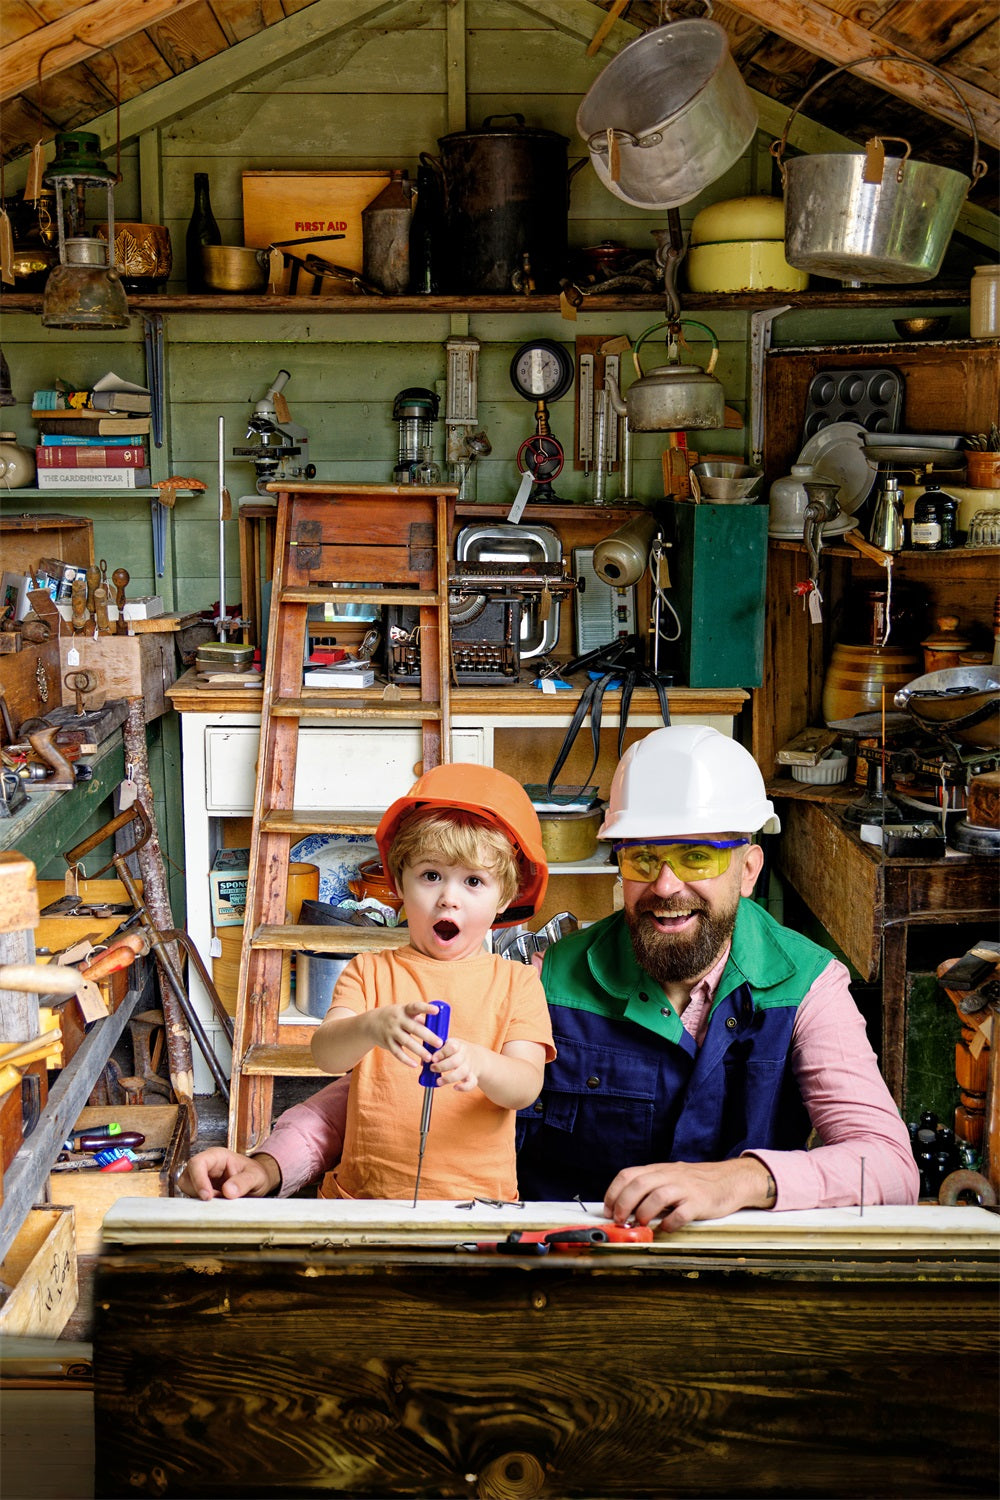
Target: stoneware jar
17	463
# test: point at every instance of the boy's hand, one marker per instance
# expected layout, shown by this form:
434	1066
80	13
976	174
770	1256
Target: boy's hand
406	1031
455	1063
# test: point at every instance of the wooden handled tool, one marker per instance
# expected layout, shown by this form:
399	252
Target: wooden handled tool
104	625
78	597
93	579
120	579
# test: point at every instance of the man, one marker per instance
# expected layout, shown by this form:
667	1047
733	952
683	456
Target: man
699	1042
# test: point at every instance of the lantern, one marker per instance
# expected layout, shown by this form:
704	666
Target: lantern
84	290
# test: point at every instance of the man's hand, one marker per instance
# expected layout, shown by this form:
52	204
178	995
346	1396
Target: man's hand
678	1193
220	1173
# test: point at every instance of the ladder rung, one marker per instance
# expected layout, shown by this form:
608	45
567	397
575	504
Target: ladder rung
318	593
303	820
295	1061
299	939
329	706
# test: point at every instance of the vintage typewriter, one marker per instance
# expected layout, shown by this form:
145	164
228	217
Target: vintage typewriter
491	608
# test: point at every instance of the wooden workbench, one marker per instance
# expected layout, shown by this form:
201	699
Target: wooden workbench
284	1349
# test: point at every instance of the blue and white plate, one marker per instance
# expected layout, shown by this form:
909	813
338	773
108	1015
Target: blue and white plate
338	856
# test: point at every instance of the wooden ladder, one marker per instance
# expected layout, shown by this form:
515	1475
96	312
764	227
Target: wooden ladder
394	540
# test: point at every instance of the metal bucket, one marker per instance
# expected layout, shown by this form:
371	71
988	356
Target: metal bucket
315	976
668	116
870	217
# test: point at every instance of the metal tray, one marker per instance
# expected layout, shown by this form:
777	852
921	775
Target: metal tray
502	543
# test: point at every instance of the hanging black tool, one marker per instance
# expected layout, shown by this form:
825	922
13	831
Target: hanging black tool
439	1024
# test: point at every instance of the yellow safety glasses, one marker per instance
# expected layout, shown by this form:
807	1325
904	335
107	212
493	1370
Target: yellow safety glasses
688	860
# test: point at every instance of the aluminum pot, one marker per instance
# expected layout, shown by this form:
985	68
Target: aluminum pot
675	397
869	217
315	976
235	268
505	191
668	116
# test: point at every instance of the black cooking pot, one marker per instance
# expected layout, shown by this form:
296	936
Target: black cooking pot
505	190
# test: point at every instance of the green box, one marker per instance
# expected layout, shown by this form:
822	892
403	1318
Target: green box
718	563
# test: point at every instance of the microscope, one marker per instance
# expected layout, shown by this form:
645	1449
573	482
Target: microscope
280	447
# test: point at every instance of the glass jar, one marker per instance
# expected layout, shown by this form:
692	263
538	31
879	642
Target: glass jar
926	529
984	303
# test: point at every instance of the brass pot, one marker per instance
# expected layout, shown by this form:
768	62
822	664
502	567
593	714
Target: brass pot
568	837
235	268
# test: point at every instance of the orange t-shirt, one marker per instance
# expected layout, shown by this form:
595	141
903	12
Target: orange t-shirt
470	1144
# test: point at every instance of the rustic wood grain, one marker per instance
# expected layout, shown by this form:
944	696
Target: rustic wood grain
262	1374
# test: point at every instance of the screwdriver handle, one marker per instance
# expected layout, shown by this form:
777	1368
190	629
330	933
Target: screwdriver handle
439	1024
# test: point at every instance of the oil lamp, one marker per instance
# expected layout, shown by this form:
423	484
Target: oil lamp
84	290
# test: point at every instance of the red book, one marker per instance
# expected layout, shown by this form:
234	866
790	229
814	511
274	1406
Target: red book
75	456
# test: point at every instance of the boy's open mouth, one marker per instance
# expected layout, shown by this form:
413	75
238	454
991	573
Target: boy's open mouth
446	930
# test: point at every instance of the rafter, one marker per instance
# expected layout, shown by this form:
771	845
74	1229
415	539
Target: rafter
839	40
73	38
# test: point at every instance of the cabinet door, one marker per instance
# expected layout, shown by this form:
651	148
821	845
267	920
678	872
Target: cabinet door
340	769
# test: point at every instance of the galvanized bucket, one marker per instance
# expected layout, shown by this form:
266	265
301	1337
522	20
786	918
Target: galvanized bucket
668	116
866	216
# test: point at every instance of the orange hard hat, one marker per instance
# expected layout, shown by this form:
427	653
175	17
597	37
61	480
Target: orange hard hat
495	798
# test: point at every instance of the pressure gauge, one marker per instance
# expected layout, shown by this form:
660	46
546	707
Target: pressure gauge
542	370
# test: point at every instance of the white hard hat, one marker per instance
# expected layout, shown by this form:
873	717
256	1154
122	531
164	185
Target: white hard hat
684	779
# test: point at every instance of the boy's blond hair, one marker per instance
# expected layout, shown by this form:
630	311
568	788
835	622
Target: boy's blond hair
456	838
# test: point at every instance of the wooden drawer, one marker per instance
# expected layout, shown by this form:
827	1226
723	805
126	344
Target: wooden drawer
337	768
40	1266
92	1193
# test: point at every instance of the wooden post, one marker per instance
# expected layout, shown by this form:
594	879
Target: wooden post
18	920
156	899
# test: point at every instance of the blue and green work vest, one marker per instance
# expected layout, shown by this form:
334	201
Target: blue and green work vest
631	1086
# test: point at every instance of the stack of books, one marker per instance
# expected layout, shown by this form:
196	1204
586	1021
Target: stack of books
93	440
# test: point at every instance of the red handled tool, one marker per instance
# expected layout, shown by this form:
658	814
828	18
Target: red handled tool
439	1024
574	1240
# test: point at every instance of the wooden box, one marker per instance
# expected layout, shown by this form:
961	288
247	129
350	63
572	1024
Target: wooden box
41	1267
127	666
25	540
92	1193
279	206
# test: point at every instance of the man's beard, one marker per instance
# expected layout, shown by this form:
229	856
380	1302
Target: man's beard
668	957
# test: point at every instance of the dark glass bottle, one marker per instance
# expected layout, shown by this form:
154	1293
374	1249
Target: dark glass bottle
425	235
202	230
926	527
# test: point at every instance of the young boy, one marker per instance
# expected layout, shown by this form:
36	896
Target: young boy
464	851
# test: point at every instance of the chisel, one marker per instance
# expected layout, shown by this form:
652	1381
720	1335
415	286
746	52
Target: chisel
439	1024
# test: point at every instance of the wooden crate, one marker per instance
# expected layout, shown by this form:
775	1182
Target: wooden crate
41	1267
24	540
92	1193
126	666
293	205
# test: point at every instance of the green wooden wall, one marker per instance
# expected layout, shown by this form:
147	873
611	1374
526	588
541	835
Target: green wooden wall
372	95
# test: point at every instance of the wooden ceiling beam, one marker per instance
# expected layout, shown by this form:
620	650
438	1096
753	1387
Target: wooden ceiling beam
73	38
839	40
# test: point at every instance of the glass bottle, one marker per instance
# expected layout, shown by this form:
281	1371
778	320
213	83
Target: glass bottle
425	235
202	230
926	527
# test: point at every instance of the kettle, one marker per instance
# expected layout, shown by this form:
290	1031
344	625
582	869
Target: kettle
887	522
675	397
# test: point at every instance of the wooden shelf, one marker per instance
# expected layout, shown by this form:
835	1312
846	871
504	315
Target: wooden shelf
221	302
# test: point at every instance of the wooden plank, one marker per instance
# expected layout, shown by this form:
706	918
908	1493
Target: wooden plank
807	23
295	938
277	1061
25	1179
86	30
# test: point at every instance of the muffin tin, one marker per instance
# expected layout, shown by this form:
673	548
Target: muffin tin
873	398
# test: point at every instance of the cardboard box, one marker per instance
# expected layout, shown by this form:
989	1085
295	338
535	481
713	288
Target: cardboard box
280	206
40	1266
228	880
92	1193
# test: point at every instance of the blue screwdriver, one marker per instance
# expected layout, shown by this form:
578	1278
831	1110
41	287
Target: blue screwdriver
439	1025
